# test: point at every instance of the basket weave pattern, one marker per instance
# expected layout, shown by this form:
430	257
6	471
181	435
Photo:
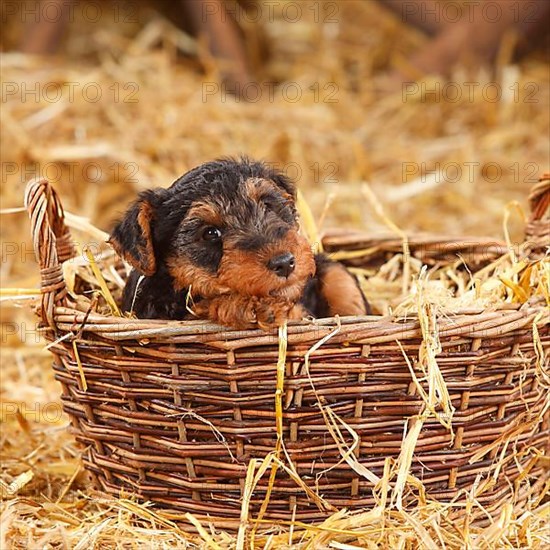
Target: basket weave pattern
174	411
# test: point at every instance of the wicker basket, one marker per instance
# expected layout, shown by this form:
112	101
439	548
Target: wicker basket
175	411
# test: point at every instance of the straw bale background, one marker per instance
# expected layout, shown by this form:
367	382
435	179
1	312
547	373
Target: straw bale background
155	119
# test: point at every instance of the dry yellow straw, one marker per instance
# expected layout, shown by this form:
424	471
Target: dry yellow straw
308	223
507	213
83	224
379	210
281	364
69	484
210	542
331	418
542	370
248	488
102	284
16	292
9	491
80	368
410	438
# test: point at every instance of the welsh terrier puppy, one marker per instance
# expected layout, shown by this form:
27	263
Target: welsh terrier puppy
222	243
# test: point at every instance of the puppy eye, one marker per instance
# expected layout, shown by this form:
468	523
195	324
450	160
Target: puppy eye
211	234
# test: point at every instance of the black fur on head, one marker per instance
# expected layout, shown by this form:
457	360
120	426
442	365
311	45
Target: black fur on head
145	235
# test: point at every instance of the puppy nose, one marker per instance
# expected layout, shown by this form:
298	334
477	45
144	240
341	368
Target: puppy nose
282	265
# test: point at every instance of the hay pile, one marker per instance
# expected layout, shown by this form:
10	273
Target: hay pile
99	153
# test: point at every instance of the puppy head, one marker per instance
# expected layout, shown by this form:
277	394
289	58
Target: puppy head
225	227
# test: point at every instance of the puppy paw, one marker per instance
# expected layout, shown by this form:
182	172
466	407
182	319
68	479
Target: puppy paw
244	312
269	315
229	310
273	313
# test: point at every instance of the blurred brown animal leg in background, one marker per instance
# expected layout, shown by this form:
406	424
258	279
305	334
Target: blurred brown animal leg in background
43	35
474	38
225	42
408	12
207	17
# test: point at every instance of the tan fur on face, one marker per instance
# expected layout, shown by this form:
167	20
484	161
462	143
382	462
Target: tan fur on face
187	274
206	212
184	272
246	272
341	292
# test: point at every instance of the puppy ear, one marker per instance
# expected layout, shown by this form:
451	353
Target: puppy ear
132	238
